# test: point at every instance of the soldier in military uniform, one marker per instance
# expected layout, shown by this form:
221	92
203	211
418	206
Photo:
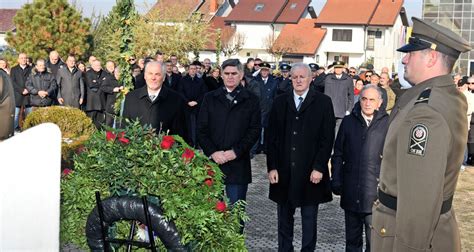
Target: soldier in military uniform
423	149
284	81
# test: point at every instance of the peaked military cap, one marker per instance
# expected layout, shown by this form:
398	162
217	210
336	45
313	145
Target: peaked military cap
313	66
427	34
285	67
338	64
265	65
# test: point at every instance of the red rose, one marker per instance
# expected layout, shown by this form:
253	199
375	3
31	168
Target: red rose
110	136
221	206
188	155
209	182
66	172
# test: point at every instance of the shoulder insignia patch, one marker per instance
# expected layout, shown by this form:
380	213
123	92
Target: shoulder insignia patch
418	139
424	97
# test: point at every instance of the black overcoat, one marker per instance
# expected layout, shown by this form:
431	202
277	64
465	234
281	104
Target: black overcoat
355	164
95	97
299	142
166	112
225	125
172	81
19	77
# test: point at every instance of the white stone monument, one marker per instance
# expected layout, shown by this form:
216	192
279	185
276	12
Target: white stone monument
30	190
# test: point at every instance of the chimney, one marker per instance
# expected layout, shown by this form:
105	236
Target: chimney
213	6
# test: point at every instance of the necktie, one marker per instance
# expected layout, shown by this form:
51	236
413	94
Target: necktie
299	104
152	97
368	122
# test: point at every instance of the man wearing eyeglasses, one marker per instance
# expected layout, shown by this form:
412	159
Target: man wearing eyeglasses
228	127
423	149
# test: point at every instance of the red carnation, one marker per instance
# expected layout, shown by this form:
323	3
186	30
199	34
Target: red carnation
167	142
209	182
166	145
124	140
168	139
221	206
110	136
66	172
188	155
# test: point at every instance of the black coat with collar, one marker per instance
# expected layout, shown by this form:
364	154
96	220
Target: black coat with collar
357	157
95	96
224	125
299	142
173	81
166	112
19	77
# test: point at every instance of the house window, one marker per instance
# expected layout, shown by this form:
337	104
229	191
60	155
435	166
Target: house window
342	35
248	54
293	6
259	7
370	40
317	58
378	34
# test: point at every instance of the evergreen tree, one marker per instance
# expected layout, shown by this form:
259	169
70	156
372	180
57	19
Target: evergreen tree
47	25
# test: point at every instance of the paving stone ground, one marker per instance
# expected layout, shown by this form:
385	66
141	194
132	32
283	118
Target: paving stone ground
261	230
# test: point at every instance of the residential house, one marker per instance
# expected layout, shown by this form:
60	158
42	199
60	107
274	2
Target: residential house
362	31
6	25
261	22
300	42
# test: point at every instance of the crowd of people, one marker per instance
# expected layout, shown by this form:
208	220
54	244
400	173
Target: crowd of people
303	117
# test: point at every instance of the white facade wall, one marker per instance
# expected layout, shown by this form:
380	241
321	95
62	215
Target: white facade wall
385	49
328	49
3	42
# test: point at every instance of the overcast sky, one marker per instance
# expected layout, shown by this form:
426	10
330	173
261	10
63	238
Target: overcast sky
413	7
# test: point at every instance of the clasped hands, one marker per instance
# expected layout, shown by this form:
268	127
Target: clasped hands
42	94
222	157
315	176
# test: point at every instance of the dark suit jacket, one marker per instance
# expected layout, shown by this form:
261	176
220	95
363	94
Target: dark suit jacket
225	125
165	113
299	142
19	77
172	82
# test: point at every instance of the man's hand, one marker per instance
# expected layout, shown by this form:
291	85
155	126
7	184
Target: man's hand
218	157
81	101
42	94
61	101
192	103
229	155
315	177
25	91
273	176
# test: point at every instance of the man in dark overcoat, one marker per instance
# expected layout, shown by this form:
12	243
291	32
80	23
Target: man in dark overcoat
356	163
193	88
228	126
155	104
267	86
19	74
299	141
71	84
7	106
95	97
171	79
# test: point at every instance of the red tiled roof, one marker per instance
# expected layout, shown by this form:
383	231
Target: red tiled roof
293	11
6	19
226	32
245	11
347	12
303	38
360	12
387	12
